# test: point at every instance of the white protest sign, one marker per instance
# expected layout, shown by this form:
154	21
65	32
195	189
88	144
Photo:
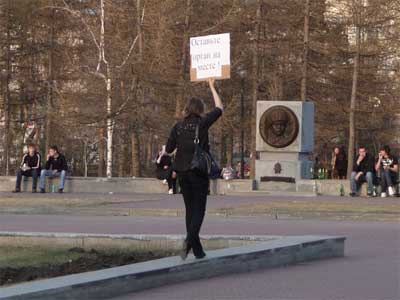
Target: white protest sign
210	57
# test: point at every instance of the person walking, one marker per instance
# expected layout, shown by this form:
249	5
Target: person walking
194	186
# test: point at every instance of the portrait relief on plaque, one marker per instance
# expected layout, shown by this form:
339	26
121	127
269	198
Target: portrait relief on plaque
279	126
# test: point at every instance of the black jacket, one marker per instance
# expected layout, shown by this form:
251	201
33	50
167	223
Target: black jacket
366	165
59	163
33	162
183	134
341	162
162	173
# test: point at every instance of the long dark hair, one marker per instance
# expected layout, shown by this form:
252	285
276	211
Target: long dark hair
195	106
342	153
386	148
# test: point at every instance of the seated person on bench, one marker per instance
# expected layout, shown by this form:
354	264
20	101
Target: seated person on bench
165	171
388	167
363	171
56	166
30	167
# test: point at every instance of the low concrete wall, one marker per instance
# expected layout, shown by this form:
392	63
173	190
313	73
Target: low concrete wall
225	187
92	185
115	282
152	185
328	187
122	185
123	241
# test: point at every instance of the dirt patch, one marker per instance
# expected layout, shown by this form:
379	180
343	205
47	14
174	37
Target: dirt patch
68	261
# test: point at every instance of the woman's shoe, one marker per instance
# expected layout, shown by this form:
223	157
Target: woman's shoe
201	256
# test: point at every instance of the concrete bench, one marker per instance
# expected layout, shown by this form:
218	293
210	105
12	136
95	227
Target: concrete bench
51	184
90	185
155	186
121	185
7	184
331	187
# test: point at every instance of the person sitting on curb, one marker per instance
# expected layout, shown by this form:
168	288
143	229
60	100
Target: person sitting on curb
363	171
388	167
165	171
56	166
30	167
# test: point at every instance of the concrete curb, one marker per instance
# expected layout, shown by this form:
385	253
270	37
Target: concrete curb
116	241
119	281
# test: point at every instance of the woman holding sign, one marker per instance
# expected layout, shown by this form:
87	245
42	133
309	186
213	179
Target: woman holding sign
190	138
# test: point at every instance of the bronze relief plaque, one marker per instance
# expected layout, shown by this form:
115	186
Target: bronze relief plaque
279	126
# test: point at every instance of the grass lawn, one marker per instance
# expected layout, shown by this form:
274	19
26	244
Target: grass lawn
18	257
21	264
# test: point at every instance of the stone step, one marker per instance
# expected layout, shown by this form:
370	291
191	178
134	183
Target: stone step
277	186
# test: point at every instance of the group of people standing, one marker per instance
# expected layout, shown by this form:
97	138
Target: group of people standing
31	166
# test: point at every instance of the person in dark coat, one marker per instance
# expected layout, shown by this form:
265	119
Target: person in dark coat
194	187
339	163
30	167
363	171
56	166
165	171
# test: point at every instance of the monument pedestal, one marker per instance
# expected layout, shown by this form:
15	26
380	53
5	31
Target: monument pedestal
286	167
285	140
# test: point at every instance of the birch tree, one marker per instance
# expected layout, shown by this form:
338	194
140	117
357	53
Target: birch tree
305	50
104	68
356	8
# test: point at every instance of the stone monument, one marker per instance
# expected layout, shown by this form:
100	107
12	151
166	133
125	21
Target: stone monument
285	140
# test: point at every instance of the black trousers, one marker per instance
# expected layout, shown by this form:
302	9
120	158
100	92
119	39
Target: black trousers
163	174
194	189
172	183
34	173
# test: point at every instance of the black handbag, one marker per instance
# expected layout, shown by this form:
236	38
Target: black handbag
201	161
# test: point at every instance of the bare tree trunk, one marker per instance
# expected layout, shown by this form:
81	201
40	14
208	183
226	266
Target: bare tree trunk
7	106
136	170
110	127
255	79
135	139
139	28
352	125
121	156
100	171
182	93
108	82
149	150
50	83
305	51
229	150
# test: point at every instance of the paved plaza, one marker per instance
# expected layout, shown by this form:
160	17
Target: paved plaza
370	269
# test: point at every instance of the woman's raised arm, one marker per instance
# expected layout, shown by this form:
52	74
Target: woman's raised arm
217	99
